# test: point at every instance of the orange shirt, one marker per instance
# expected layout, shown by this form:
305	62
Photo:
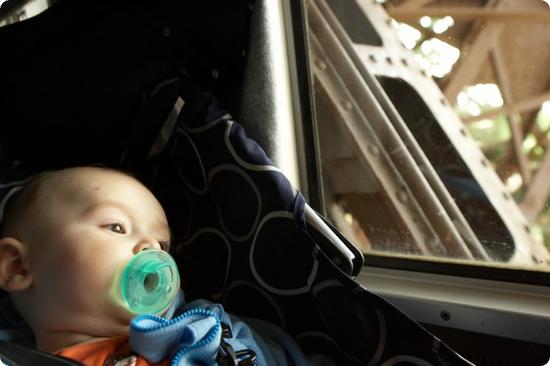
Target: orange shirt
110	352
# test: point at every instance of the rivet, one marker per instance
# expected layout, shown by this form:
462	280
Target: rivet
433	242
215	74
402	196
321	64
166	31
374	150
347	105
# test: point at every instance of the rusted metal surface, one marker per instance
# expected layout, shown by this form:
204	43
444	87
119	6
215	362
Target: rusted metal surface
394	61
467	13
391	142
514	119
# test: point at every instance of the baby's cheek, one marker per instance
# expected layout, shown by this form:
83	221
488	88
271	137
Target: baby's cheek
83	278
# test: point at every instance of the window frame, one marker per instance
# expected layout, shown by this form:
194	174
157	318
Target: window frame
303	98
502	302
509	310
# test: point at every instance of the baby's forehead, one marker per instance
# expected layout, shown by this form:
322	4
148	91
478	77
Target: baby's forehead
75	182
92	187
84	186
81	179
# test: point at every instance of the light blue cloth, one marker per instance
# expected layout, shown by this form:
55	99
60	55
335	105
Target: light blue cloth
191	334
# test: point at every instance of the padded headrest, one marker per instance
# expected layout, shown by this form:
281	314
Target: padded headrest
74	76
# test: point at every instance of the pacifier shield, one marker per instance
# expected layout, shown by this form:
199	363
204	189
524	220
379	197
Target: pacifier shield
149	282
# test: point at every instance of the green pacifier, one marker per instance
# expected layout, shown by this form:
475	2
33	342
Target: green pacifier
150	282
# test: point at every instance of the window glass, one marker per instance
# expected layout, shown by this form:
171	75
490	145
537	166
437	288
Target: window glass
433	121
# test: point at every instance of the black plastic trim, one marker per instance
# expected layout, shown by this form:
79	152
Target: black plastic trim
487	272
305	93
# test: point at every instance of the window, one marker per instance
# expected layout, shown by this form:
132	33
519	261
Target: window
433	127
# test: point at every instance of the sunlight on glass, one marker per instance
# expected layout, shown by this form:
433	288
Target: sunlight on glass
473	108
543	117
408	35
538	232
529	143
437	57
462	100
484	124
486	95
477	98
514	182
426	21
490	133
441	25
437	25
348	218
449	20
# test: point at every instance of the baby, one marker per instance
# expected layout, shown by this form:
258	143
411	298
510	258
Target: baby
64	237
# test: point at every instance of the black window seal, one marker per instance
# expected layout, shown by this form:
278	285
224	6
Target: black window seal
474	270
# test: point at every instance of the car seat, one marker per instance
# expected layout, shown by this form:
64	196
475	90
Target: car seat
275	258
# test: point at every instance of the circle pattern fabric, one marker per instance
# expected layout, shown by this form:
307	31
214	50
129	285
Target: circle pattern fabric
247	245
240	238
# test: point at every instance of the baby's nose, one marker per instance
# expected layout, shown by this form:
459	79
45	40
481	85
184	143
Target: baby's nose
145	245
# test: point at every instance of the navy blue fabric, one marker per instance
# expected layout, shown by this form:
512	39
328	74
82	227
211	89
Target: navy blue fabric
240	238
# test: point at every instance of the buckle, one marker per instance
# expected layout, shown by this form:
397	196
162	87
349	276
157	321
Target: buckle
228	357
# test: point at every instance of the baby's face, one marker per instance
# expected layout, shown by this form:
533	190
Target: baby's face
93	222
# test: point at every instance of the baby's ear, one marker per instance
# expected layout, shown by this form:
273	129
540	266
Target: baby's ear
14	274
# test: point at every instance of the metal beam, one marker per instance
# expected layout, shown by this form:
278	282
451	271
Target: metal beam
523	105
538	191
411	4
514	120
378	146
472	59
406	14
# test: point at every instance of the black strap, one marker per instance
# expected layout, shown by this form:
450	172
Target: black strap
150	119
227	356
14	355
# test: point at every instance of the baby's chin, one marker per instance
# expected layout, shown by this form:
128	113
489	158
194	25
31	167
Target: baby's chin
108	328
118	318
